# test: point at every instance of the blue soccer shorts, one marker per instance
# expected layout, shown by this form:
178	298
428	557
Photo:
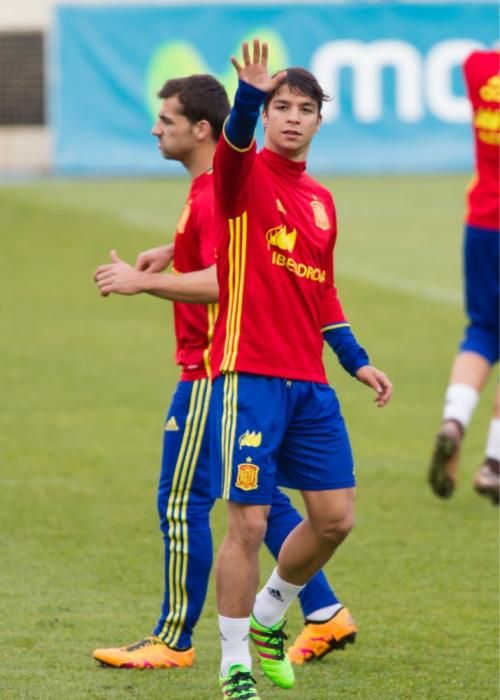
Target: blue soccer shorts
482	292
268	430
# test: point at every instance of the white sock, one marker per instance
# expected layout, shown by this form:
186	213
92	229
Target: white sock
234	642
324	614
493	441
460	402
274	599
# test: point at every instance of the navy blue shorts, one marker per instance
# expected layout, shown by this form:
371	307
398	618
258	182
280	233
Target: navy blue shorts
482	292
267	431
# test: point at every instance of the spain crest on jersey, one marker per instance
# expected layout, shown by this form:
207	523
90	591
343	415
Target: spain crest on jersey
320	216
248	477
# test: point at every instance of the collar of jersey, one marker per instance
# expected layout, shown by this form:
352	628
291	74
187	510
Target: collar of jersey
283	166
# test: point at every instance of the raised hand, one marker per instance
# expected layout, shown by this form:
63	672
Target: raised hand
254	69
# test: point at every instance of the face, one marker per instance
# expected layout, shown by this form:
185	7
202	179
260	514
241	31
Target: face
175	133
290	122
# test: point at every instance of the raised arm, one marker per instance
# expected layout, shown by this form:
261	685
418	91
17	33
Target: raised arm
236	149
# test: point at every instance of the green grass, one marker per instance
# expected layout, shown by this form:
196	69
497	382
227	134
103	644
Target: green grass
85	385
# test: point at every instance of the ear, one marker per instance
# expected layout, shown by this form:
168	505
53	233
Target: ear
320	119
265	119
202	130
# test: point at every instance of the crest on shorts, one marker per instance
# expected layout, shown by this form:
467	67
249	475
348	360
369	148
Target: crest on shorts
320	216
248	477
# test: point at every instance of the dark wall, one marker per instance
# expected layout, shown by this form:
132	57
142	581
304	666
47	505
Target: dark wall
21	79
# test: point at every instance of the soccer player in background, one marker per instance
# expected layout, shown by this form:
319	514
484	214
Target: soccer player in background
277	304
479	350
189	123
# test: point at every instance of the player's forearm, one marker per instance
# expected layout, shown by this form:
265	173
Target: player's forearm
198	287
240	126
351	355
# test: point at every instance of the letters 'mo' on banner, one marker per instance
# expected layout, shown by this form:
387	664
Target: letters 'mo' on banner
393	71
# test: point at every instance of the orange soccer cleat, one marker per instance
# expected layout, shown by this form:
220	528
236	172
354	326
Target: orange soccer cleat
151	652
320	638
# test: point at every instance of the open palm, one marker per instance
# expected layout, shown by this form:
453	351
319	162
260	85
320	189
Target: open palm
254	69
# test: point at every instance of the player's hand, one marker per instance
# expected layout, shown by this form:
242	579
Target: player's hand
118	277
254	69
378	381
155	259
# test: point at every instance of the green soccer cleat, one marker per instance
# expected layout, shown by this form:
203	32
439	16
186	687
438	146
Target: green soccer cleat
238	683
269	642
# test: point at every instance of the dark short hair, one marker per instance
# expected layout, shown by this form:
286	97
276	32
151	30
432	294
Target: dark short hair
301	81
201	97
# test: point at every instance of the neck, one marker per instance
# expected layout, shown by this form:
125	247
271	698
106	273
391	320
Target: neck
297	156
199	160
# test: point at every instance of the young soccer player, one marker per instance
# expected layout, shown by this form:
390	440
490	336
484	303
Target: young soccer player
479	350
277	303
189	123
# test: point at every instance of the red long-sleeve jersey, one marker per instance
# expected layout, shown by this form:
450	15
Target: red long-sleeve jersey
481	71
195	250
277	231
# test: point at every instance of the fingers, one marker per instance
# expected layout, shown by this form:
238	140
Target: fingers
256	51
246	53
142	263
238	67
384	390
114	256
275	80
265	53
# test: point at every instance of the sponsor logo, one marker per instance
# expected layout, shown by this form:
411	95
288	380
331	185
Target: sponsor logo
300	269
275	593
279	237
171	424
248	477
250	439
320	216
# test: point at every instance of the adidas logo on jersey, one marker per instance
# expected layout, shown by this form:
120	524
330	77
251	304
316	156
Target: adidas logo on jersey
171	424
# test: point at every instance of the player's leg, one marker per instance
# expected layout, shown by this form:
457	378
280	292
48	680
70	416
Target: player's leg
184	504
245	437
327	625
315	455
478	351
487	478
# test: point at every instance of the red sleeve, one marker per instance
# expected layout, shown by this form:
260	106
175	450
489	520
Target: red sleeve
232	166
478	67
332	313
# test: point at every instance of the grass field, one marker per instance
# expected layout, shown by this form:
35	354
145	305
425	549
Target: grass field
85	384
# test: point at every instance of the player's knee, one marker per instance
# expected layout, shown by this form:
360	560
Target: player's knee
335	527
247	526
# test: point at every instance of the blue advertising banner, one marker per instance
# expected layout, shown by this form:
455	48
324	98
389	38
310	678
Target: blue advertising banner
393	71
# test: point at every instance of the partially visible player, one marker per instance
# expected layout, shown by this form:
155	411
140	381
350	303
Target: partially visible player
277	305
189	123
479	350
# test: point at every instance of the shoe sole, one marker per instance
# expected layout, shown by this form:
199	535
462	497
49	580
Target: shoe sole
333	645
136	667
489	493
338	644
440	481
